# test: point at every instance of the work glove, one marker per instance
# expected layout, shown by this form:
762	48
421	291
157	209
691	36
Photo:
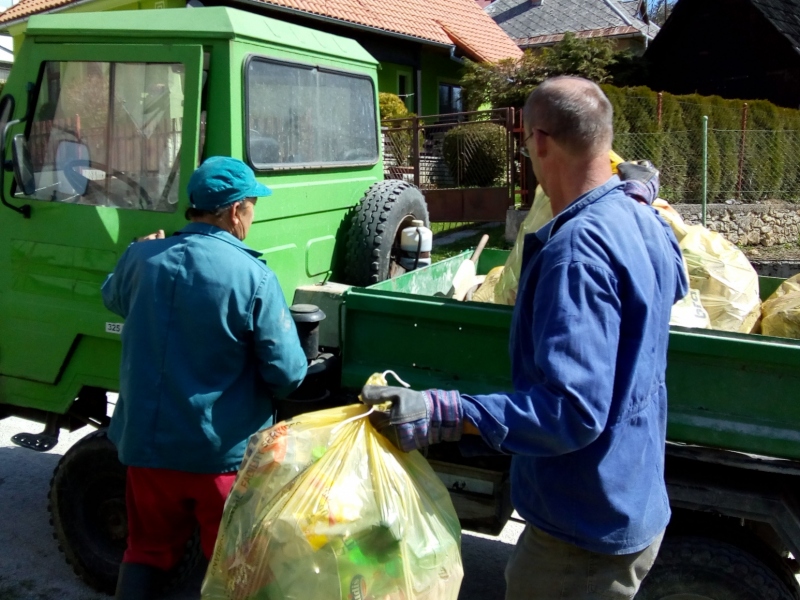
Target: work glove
415	420
641	181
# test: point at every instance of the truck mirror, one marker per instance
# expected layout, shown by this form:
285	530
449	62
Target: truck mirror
23	167
6	109
70	157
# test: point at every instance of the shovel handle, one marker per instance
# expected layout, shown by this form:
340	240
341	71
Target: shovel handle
481	245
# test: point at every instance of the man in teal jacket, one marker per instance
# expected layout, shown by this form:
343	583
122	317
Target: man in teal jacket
208	342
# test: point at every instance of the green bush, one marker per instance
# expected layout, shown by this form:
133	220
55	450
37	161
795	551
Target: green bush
693	108
476	153
673	141
725	121
399	135
764	151
791	165
391	106
621	126
639	108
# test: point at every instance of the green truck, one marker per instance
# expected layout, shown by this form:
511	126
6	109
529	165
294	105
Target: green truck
103	120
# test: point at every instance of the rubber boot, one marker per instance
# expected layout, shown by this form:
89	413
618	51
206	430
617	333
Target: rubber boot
137	582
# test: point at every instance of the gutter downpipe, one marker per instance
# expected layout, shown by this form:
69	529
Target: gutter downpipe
454	57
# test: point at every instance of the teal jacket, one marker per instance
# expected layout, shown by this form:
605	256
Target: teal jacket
208	341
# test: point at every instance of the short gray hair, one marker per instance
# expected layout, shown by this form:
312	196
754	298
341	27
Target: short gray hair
574	112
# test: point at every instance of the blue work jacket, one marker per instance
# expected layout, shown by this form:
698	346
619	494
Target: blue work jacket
586	423
208	341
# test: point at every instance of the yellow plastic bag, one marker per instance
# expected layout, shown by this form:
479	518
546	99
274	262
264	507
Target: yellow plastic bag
325	508
727	282
505	291
780	314
486	291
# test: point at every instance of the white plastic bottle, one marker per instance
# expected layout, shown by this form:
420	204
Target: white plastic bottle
416	242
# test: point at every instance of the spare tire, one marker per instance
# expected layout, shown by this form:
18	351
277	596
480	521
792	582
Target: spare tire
374	235
89	517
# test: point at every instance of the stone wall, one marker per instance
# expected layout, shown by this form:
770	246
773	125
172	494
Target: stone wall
771	224
746	224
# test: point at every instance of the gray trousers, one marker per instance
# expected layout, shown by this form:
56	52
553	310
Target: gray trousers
543	567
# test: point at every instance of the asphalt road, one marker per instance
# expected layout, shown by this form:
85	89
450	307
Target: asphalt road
32	568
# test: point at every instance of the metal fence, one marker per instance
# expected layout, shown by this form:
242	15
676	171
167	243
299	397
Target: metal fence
127	149
697	155
464	163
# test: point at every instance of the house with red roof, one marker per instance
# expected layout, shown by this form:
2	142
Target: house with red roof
420	44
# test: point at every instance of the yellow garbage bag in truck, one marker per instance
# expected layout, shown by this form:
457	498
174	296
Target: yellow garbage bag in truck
780	314
325	508
505	290
725	280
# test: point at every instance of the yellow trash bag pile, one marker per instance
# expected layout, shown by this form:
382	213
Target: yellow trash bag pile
325	508
725	280
506	278
780	314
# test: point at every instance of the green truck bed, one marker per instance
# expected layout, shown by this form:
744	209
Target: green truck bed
727	390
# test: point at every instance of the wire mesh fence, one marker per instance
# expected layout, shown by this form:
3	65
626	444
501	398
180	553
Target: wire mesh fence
743	156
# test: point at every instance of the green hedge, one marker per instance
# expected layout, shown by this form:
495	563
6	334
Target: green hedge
766	155
476	153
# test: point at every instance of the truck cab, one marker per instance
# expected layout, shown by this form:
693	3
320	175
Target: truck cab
103	120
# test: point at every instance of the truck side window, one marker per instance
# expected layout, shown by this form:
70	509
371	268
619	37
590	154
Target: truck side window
108	134
299	115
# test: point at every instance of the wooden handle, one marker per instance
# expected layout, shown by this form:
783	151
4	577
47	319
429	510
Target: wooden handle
479	249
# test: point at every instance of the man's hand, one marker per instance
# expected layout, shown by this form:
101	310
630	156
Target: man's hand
641	180
158	235
415	419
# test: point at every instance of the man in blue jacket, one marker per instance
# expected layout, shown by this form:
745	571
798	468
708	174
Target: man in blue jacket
208	342
586	422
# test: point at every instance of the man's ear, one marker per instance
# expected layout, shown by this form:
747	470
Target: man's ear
233	211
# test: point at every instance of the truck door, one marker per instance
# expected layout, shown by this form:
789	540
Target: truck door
105	156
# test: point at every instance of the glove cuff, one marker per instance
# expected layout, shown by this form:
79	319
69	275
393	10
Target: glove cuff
642	192
446	415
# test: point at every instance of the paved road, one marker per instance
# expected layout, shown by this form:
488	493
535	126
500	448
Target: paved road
32	568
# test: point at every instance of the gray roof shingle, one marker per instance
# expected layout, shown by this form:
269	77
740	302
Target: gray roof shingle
784	15
521	19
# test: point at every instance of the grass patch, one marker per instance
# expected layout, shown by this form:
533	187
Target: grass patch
496	240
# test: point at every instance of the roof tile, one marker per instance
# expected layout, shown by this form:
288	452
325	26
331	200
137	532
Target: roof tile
522	20
459	22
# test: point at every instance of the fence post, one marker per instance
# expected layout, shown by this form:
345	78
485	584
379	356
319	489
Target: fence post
415	149
659	107
741	152
510	154
705	168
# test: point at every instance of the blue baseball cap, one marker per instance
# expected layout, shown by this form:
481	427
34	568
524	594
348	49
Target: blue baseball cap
222	180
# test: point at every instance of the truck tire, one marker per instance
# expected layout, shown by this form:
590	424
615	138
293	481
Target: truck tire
87	512
696	568
385	209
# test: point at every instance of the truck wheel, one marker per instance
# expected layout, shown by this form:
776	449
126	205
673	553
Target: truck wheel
374	233
694	568
87	512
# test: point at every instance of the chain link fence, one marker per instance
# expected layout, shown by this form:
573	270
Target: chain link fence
743	156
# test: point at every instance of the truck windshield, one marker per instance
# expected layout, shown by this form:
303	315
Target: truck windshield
299	115
108	134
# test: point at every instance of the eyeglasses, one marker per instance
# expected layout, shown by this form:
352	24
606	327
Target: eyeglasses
524	149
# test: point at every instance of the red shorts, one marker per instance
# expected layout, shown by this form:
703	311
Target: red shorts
164	509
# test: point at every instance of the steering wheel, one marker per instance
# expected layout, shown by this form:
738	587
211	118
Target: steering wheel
78	181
